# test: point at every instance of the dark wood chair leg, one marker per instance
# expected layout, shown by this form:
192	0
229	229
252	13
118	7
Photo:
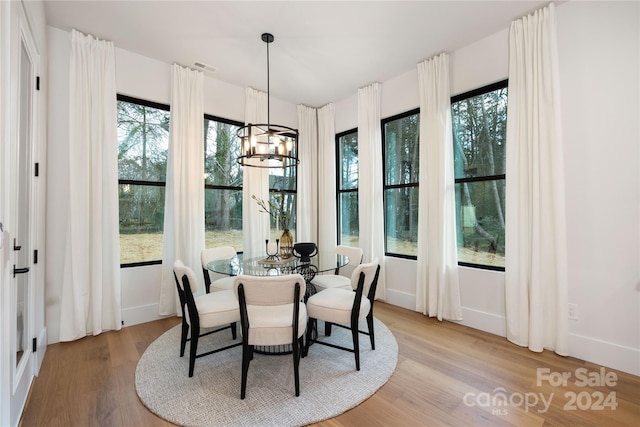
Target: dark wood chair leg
183	337
234	334
356	343
327	328
193	349
246	357
296	364
371	335
311	325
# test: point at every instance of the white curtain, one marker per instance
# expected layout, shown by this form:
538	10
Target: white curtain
535	229
370	207
183	237
307	193
437	286
90	297
255	181
327	228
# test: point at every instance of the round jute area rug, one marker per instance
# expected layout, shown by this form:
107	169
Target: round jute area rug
329	382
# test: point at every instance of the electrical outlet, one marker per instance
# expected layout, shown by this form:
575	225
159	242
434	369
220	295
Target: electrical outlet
573	311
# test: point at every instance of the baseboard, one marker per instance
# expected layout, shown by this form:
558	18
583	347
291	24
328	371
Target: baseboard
483	321
141	314
41	349
611	355
604	353
400	299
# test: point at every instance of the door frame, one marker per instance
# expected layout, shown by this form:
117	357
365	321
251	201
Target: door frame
21	20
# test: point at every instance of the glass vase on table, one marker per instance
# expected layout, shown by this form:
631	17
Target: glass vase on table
286	244
272	250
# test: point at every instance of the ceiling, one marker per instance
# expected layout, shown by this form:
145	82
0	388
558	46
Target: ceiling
323	50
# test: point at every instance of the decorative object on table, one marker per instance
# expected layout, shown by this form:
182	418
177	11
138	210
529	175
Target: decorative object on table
286	244
277	211
304	251
272	250
211	398
268	145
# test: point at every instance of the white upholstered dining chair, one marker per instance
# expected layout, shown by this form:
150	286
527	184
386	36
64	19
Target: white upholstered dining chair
341	279
271	314
214	283
345	308
219	310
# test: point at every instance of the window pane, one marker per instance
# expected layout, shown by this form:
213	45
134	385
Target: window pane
479	133
282	178
223	218
286	204
348	161
402	150
348	218
222	148
141	222
143	142
480	222
401	220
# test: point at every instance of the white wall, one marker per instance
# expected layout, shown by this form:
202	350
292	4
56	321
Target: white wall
143	78
599	45
599	51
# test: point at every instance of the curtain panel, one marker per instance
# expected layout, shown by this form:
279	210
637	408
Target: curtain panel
183	237
370	189
255	181
327	226
90	296
307	172
535	229
437	285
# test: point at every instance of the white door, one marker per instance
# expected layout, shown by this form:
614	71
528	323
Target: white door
20	208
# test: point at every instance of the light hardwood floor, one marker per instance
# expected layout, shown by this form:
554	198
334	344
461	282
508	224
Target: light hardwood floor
447	375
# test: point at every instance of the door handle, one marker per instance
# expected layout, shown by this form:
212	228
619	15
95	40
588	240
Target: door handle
19	270
16	247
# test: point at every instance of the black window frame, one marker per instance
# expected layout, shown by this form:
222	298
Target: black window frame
339	190
502	84
240	188
386	187
159	106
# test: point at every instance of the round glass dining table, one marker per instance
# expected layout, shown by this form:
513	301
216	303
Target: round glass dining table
322	262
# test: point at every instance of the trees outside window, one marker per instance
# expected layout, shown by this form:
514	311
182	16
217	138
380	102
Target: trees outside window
400	141
347	187
479	122
223	183
143	142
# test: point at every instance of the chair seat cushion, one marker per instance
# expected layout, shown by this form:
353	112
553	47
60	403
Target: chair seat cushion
272	324
334	305
331	281
226	283
217	308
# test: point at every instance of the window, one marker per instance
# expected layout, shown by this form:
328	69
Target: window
479	136
223	184
143	142
401	152
347	187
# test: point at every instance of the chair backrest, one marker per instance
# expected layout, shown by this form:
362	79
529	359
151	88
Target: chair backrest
181	274
370	271
180	270
269	290
212	254
355	259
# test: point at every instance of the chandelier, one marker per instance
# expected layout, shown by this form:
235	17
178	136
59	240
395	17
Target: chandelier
268	145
